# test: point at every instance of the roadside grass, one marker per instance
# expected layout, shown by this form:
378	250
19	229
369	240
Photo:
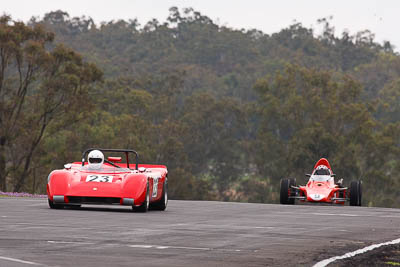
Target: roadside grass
392	263
21	194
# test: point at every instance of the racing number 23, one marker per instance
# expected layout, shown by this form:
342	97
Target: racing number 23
99	178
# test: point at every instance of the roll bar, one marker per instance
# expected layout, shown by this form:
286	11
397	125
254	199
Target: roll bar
126	151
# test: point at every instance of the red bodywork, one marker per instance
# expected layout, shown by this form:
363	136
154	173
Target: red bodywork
111	185
322	188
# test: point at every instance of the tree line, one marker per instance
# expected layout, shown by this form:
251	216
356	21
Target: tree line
229	111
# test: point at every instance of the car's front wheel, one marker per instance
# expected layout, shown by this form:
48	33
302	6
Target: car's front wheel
287	191
55	206
163	202
144	207
355	193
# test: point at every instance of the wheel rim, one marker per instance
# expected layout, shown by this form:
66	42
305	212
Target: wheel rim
147	199
165	198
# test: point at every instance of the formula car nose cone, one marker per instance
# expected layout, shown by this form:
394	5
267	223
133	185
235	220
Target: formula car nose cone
316	197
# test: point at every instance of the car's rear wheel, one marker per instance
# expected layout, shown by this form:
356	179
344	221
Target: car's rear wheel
163	202
144	207
55	206
287	191
355	193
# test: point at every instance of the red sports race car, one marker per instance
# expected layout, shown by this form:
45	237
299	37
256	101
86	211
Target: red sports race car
102	180
321	188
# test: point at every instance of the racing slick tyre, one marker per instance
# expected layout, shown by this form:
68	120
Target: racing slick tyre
146	203
355	193
163	202
55	206
287	191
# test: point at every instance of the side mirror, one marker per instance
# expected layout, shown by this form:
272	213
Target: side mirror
142	169
68	166
333	175
308	175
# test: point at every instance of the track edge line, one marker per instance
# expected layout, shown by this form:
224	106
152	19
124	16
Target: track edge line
325	262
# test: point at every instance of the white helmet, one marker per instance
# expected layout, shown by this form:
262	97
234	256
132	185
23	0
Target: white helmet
322	170
322	167
95	159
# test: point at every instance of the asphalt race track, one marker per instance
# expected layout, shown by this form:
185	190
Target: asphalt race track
189	233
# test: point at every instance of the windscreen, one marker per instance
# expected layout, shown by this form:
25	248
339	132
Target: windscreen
322	172
105	169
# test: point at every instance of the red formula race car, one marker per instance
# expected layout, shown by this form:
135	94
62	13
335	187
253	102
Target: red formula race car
102	180
321	188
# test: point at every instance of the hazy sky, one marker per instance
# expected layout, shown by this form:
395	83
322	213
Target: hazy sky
382	17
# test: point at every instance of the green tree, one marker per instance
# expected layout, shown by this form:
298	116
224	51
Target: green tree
308	114
39	90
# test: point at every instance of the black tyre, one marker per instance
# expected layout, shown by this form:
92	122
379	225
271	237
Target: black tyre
163	202
355	193
55	206
287	191
146	203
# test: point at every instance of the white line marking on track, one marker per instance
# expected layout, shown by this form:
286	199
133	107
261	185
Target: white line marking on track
187	248
21	261
140	246
69	242
356	252
191	248
232	227
339	214
166	247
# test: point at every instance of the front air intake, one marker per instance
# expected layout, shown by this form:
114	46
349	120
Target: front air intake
94	200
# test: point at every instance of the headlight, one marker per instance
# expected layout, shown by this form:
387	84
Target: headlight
48	177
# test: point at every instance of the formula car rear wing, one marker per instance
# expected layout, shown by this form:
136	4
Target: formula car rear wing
126	151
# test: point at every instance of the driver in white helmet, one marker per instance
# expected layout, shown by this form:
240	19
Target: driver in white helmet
95	159
321	174
322	170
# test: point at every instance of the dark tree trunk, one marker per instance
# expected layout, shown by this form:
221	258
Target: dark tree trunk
3	186
28	160
25	172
